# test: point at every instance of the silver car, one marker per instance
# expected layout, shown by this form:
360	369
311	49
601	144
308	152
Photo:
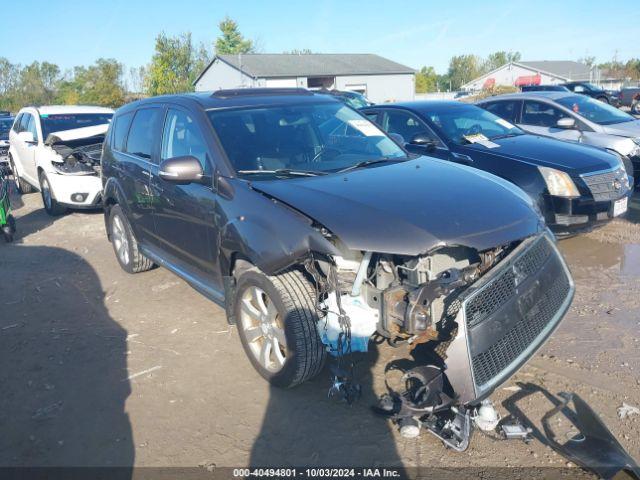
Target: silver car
571	117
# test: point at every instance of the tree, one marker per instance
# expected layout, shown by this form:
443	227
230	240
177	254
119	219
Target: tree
295	51
37	83
498	59
175	65
231	41
463	68
426	80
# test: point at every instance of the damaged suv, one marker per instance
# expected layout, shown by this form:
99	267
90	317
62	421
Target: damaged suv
56	150
315	230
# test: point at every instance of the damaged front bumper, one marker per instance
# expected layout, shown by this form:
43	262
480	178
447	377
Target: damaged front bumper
76	191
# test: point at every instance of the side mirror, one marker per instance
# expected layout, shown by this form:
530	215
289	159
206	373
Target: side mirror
566	123
423	140
181	170
26	137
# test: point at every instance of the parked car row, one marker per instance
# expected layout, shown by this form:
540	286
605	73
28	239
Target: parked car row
317	225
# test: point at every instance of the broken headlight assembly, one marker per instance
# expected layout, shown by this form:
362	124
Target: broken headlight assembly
71	166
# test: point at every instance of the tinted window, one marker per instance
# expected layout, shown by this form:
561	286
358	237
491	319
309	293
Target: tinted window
140	139
323	137
183	137
541	114
405	124
68	121
120	129
506	110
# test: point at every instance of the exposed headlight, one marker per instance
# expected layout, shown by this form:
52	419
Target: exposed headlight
559	183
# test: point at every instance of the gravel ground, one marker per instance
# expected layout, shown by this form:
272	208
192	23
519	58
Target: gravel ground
104	368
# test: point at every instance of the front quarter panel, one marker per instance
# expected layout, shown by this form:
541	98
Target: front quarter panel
268	233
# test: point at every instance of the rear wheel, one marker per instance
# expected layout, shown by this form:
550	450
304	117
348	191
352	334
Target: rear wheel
51	205
603	99
276	318
21	185
124	243
635	108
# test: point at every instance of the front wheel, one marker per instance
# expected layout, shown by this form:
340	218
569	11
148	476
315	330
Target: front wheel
51	205
276	318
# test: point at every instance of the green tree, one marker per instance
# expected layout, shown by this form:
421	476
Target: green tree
498	59
9	80
99	84
231	41
426	80
175	65
37	83
464	68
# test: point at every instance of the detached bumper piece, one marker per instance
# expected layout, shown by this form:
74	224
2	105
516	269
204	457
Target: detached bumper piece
586	440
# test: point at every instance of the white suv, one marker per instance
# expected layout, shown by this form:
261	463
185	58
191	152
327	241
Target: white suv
56	150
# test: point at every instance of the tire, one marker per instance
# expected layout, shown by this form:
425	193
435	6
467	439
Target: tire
125	246
603	99
22	186
635	108
289	300
51	205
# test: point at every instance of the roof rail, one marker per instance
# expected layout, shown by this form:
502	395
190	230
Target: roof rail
246	92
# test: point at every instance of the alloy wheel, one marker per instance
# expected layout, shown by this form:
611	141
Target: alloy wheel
263	329
120	240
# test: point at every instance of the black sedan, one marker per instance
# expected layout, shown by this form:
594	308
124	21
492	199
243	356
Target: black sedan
593	91
575	186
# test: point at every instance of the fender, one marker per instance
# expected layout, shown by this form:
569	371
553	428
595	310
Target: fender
266	232
112	193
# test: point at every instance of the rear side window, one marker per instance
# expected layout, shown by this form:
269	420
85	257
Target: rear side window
143	127
120	129
506	110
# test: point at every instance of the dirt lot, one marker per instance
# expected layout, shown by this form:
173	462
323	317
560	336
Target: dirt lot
103	368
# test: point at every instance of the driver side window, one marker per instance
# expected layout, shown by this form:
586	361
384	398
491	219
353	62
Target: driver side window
405	124
182	137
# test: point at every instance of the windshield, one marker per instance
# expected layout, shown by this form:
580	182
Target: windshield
5	126
595	110
69	121
468	124
321	138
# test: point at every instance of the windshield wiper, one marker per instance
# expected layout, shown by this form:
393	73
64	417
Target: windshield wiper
367	163
505	135
283	172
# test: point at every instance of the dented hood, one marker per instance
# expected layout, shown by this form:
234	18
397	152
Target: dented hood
64	136
411	207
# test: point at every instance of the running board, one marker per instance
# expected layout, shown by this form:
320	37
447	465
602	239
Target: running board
211	293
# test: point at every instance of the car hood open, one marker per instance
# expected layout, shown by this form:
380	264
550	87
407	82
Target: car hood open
66	136
571	157
409	208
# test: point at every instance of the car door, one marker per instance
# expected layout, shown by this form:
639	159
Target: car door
185	214
135	160
508	110
27	150
542	118
408	125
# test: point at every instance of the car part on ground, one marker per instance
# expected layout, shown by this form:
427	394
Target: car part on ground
586	440
552	173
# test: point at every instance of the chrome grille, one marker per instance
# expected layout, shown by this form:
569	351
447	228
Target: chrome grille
502	288
603	185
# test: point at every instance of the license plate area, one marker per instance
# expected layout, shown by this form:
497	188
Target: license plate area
620	206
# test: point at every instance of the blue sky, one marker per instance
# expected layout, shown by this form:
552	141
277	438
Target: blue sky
416	33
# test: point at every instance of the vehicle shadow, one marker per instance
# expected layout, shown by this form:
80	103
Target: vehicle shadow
302	427
63	365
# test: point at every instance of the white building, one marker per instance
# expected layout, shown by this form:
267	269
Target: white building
548	72
381	80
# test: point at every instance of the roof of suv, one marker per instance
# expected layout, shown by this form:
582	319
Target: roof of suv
62	109
242	97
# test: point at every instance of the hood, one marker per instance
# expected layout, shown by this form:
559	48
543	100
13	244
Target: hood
408	208
64	136
572	157
624	129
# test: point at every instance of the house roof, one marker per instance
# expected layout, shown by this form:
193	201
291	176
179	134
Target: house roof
561	68
273	65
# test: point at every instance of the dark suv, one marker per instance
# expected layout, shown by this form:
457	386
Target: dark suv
315	230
